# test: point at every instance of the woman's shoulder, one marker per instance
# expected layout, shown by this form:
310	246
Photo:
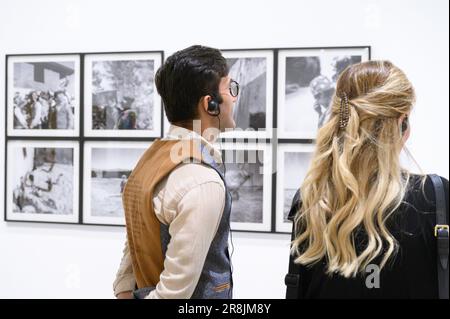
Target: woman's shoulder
295	206
421	191
418	210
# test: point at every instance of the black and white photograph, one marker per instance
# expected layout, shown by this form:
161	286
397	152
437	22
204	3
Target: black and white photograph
120	97
107	166
306	84
253	71
43	95
42	181
293	164
248	174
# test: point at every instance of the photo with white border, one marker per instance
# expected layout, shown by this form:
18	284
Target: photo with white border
120	96
293	163
42	181
248	175
43	95
306	83
253	110
107	166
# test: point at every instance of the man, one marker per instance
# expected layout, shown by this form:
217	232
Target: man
322	89
127	118
64	115
176	202
20	121
34	111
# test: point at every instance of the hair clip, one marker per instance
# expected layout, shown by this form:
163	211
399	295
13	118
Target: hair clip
344	111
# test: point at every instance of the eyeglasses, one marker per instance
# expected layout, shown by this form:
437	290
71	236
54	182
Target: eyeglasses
234	88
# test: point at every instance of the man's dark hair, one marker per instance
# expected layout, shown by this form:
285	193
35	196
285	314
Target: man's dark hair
186	76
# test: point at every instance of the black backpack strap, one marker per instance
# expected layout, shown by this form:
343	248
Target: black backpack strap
292	279
441	233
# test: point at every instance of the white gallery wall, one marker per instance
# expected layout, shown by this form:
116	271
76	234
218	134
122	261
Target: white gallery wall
78	261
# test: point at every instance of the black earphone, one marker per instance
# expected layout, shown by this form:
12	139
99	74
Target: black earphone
213	106
404	125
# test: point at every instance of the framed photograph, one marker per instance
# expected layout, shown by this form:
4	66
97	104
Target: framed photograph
293	163
253	70
306	83
107	166
120	95
249	179
42	181
43	95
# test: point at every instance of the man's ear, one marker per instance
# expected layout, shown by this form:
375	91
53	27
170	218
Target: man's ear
203	103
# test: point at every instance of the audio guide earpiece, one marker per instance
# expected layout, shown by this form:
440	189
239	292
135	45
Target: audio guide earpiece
213	106
404	125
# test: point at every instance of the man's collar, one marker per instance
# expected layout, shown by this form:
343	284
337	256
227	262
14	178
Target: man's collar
181	133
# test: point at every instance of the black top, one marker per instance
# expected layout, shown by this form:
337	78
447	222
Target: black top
412	273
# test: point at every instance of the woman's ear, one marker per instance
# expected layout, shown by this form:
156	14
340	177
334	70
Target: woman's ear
403	123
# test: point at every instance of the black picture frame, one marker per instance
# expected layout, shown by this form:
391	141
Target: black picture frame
121	87
254	70
43	185
302	143
107	166
54	80
272	140
247	171
78	139
303	72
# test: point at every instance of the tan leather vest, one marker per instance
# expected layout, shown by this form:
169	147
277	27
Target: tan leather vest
143	227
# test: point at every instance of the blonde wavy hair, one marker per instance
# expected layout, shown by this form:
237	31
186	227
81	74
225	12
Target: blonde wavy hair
355	181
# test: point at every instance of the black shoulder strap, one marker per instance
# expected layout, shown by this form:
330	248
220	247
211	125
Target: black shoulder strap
441	232
292	279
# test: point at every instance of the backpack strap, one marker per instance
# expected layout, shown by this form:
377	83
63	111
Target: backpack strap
441	232
292	279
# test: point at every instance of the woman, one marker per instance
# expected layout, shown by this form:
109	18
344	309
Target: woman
358	211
